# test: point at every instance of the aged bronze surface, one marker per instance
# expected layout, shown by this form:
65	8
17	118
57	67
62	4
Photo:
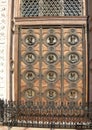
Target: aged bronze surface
51	64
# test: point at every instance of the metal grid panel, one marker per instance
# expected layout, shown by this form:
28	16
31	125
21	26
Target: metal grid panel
72	7
30	8
51	64
51	8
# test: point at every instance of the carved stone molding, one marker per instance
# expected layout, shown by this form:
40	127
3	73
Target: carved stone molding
91	65
3	42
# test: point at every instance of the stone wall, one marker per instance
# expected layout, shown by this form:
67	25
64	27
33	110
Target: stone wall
3	46
90	47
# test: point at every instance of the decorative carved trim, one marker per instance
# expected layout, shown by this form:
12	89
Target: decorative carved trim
50	20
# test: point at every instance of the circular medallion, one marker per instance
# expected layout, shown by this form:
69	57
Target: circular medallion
29	93
29	58
51	40
73	76
30	40
51	94
73	39
29	76
51	58
72	94
72	58
51	76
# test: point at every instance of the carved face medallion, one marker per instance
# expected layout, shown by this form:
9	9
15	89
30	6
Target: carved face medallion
29	76
51	76
73	76
73	58
73	39
51	94
51	40
72	94
51	58
29	58
30	40
29	93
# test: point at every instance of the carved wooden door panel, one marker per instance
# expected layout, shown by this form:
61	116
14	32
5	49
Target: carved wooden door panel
52	64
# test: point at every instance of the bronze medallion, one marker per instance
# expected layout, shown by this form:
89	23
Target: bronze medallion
51	58
51	40
73	76
29	93
73	58
29	58
51	94
30	40
72	94
73	39
51	76
29	76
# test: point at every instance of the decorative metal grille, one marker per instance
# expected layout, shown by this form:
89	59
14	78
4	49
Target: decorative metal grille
30	8
72	7
51	79
46	115
51	64
51	8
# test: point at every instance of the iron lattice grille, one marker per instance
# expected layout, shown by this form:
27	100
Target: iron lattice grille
72	7
51	64
51	8
30	8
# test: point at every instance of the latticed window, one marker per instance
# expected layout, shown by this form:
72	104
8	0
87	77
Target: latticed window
72	7
51	8
30	8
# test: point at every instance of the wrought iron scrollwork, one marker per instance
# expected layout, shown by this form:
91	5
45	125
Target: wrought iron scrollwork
1	110
46	115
